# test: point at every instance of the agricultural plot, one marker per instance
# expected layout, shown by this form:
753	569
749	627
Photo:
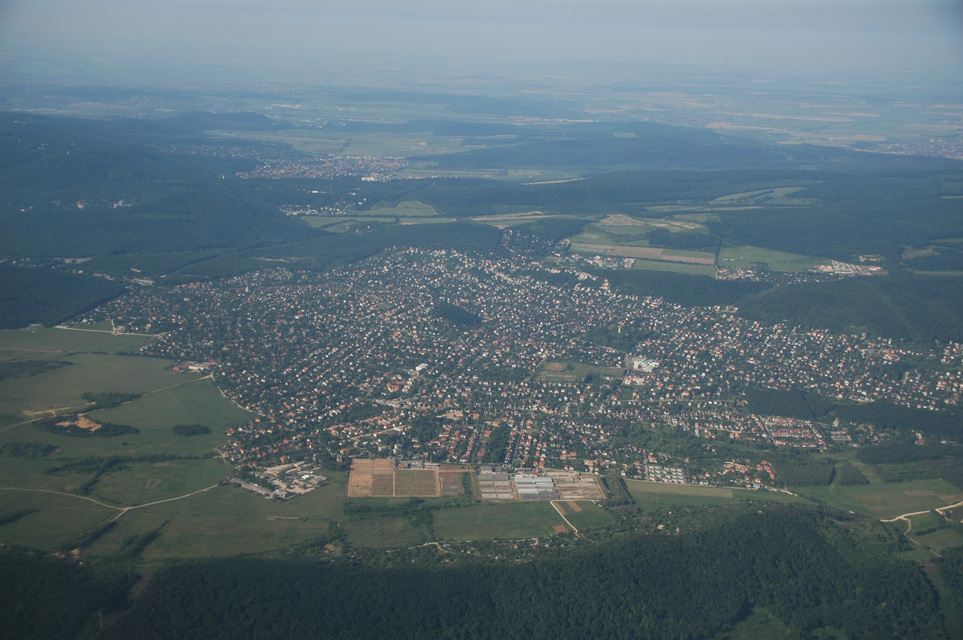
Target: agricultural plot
378	478
572	486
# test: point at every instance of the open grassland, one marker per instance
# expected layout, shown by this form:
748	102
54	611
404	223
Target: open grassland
659	494
775	196
585	515
27	343
198	402
137	483
497	520
385	532
676	267
63	388
50	520
887	500
227	521
341	224
751	257
408	209
646	253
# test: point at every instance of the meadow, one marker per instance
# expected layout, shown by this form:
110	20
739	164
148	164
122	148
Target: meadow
887	500
497	520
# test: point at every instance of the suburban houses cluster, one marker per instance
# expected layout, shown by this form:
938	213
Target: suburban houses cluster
356	362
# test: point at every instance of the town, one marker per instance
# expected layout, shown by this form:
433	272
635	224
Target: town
356	362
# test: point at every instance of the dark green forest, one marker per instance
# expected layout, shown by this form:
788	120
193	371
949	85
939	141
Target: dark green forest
807	571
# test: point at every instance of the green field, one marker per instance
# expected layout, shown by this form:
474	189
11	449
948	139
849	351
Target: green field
408	209
676	267
658	494
887	500
497	520
385	532
574	372
198	402
28	343
585	515
777	195
62	389
750	257
340	224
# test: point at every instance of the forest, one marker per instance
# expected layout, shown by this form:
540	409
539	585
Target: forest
806	569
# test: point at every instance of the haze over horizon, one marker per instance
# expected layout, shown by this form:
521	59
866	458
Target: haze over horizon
61	42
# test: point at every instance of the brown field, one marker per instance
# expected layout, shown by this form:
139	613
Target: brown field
451	483
420	483
378	478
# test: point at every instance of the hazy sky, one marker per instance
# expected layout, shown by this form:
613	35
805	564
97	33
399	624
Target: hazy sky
791	37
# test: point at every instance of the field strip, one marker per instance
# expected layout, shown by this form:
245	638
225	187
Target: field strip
564	518
113	333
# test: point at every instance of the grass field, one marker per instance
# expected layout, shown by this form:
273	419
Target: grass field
777	195
409	209
341	224
676	267
497	520
748	257
887	500
385	533
198	402
26	344
574	372
585	515
88	372
658	494
228	520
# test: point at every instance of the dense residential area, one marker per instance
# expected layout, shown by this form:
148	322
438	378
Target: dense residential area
461	358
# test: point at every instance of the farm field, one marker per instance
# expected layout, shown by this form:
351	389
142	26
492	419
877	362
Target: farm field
497	520
887	500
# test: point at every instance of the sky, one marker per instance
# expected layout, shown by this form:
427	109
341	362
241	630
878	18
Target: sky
829	38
